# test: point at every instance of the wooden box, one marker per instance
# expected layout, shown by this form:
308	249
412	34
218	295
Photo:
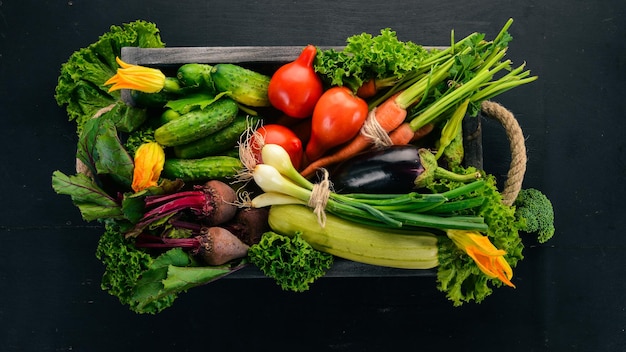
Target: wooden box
267	59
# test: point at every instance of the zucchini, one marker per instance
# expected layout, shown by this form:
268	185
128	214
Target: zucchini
218	142
203	169
241	84
197	124
356	242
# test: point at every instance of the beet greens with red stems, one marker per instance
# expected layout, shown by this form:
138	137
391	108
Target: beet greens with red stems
212	203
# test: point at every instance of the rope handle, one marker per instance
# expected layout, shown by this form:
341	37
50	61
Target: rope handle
517	168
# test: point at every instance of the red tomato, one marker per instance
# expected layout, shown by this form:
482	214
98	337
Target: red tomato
337	118
283	136
295	87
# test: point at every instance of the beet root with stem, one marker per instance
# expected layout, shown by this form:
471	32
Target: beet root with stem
214	246
210	204
249	224
219	246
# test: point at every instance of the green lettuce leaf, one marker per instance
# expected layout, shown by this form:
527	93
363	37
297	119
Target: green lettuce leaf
80	87
123	263
457	274
367	57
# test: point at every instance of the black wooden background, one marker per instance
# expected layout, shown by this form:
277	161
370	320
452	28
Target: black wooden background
570	292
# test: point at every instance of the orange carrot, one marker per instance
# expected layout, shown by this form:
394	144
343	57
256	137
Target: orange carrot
402	135
367	90
389	116
423	132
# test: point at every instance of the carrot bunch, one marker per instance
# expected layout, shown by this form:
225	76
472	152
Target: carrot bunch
446	83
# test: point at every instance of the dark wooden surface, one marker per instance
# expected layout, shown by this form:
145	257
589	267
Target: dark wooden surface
570	292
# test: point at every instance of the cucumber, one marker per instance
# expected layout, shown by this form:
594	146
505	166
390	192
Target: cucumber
203	169
197	124
218	142
155	100
168	115
196	75
241	84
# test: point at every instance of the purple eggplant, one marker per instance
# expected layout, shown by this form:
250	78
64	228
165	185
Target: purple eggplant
396	169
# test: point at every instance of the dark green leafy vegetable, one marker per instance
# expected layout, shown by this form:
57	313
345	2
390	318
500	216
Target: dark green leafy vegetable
291	261
149	294
536	213
92	201
368	57
80	84
193	101
150	284
138	137
458	275
101	151
124	118
123	264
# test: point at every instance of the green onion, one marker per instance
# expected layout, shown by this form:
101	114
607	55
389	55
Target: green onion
283	184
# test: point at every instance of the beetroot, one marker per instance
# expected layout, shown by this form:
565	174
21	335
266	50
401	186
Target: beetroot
249	224
214	246
210	204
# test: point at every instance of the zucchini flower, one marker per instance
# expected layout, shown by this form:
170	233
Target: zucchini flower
149	160
144	79
489	259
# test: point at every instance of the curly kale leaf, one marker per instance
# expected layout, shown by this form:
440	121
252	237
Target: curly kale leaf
291	261
124	264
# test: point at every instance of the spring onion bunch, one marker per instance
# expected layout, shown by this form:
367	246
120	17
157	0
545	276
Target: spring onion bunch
283	184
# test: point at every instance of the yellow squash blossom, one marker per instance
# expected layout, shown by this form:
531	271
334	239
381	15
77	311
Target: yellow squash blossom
489	259
149	160
144	79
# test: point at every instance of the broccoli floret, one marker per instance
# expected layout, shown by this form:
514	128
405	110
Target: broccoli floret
291	261
536	214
